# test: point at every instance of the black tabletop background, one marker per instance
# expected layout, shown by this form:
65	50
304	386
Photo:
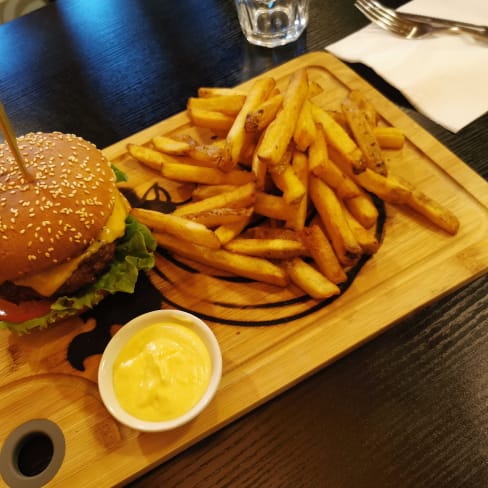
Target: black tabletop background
408	409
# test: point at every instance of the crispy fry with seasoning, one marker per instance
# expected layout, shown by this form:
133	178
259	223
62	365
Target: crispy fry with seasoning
242	196
220	216
320	165
226	104
310	279
299	209
305	128
278	134
150	157
285	178
209	119
177	226
337	138
323	254
217	91
365	137
171	146
363	209
205	175
283	190
258	119
237	137
329	207
251	267
276	248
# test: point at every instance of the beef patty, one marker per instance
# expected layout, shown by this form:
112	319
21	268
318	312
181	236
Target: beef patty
87	273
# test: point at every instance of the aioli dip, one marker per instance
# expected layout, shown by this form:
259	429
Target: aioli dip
162	372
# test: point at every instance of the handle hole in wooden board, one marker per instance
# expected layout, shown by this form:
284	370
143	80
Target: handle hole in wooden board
32	454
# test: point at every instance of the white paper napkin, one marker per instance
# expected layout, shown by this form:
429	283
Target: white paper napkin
445	77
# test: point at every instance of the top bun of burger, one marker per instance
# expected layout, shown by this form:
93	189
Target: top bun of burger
55	217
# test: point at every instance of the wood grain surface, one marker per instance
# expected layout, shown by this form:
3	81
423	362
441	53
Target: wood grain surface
416	265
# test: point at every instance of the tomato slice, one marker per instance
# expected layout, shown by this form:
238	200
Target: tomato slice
11	312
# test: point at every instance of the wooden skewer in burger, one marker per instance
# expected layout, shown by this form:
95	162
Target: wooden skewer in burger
66	237
9	135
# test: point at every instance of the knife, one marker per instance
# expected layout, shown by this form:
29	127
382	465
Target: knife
482	29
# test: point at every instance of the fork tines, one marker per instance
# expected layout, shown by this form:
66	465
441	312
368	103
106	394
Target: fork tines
383	17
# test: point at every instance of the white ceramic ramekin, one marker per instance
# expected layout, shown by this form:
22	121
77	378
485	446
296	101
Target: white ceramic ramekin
105	371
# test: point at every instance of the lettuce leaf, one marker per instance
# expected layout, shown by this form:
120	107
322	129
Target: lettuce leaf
120	176
134	253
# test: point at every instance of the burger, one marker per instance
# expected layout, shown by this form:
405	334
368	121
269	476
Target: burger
66	237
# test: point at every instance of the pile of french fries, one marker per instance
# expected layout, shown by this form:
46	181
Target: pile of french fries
283	193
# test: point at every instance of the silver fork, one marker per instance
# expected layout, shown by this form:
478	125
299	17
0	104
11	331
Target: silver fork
392	21
426	18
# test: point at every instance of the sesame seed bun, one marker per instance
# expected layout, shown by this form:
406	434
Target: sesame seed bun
58	215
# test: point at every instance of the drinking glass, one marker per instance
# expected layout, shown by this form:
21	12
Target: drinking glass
272	23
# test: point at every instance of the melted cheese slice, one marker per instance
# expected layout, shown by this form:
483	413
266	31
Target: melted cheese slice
47	282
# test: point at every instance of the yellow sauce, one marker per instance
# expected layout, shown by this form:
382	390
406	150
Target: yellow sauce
162	372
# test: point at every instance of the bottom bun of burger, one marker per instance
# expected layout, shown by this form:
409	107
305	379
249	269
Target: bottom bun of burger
66	236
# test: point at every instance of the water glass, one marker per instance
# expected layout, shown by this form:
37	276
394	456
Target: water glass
272	23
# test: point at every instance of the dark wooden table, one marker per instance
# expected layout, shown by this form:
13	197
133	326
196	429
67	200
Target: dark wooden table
410	408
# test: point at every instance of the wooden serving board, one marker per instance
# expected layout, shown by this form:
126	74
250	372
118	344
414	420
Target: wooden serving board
270	338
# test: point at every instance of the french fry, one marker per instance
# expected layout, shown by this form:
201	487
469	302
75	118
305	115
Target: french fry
247	154
226	104
150	157
320	165
206	153
298	215
205	191
397	190
363	209
285	178
431	209
213	120
205	175
242	196
259	167
339	117
251	267
258	119
364	136
357	96
305	128
366	238
337	138
267	232
278	134
318	154
267	248
387	188
271	206
330	210
323	254
171	146
209	91
220	216
177	226
309	279
389	137
328	166
227	232
237	137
